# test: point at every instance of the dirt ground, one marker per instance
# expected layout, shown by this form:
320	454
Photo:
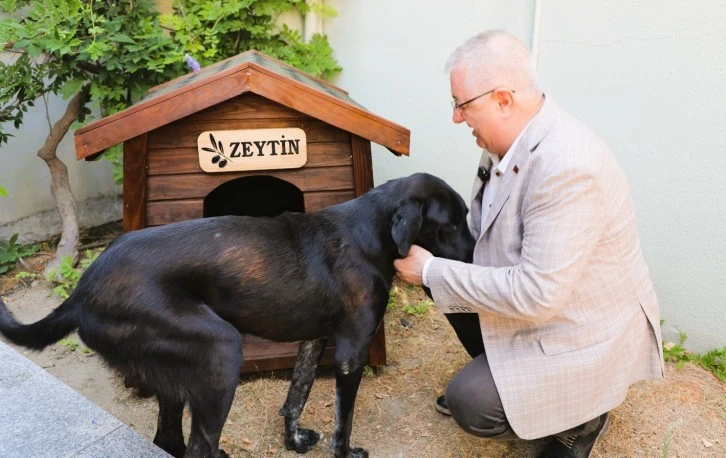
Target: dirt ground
685	416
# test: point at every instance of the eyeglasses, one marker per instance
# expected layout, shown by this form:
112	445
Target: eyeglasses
460	106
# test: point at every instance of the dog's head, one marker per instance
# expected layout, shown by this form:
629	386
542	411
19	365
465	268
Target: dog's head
432	215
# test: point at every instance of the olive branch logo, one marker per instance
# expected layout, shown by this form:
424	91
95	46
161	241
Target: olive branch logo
219	158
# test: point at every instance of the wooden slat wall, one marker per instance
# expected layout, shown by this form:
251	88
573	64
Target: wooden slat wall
169	211
176	185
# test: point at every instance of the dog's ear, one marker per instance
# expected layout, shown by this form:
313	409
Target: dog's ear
406	225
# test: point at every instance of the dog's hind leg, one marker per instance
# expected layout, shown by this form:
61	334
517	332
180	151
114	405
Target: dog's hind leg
303	376
169	434
211	393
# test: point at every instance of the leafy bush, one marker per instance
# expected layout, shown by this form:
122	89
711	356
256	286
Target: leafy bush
10	252
66	276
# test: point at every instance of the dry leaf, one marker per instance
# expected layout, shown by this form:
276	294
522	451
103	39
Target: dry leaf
706	443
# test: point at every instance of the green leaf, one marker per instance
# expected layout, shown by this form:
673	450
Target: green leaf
3	192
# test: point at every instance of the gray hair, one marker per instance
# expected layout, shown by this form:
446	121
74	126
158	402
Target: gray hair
496	58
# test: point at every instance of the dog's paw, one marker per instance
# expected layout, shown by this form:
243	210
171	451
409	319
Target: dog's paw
352	453
302	441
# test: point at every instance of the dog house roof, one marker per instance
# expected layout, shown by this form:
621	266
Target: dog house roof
251	71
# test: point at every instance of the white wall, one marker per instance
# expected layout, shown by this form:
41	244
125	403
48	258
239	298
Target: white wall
648	77
30	209
652	82
393	55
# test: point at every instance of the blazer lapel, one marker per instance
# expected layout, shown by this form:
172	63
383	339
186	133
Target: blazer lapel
519	160
475	213
531	138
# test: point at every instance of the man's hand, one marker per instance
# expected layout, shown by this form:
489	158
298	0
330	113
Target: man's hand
410	268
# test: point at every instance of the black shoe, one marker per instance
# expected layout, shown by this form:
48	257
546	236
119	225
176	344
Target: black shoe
442	406
576	446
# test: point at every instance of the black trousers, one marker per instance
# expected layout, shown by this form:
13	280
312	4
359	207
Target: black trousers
472	395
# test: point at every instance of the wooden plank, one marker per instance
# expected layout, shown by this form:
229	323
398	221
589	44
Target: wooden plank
168	161
134	184
316	201
282	362
334	111
246	106
172	211
362	164
189	186
184	134
262	354
130	123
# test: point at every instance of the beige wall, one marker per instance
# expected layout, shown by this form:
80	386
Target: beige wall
647	76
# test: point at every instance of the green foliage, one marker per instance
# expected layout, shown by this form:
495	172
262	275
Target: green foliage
3	192
714	360
113	52
211	31
419	308
10	252
71	345
110	52
368	371
66	276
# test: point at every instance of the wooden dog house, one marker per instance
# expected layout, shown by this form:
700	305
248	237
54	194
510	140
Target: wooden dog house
181	160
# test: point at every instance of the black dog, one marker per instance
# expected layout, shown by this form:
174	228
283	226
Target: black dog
165	306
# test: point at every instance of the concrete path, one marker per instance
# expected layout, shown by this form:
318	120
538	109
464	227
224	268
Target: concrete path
42	417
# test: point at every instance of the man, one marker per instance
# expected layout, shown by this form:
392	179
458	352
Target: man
558	309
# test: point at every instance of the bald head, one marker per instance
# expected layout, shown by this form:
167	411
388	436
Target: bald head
495	58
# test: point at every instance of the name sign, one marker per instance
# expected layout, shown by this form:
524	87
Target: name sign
252	149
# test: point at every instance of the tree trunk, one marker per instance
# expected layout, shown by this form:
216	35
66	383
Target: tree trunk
60	186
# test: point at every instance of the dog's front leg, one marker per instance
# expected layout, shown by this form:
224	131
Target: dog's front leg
303	376
348	365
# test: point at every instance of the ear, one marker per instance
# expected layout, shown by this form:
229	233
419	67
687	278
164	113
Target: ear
505	101
406	225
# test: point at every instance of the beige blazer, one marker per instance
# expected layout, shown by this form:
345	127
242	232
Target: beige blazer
567	308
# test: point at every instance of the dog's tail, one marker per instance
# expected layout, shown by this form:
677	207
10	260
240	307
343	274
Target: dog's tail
61	322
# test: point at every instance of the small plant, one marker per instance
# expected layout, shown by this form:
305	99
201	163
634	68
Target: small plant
668	435
714	360
66	276
71	345
392	298
368	371
419	308
10	252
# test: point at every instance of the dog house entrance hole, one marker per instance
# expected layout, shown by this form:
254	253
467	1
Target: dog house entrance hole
254	196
